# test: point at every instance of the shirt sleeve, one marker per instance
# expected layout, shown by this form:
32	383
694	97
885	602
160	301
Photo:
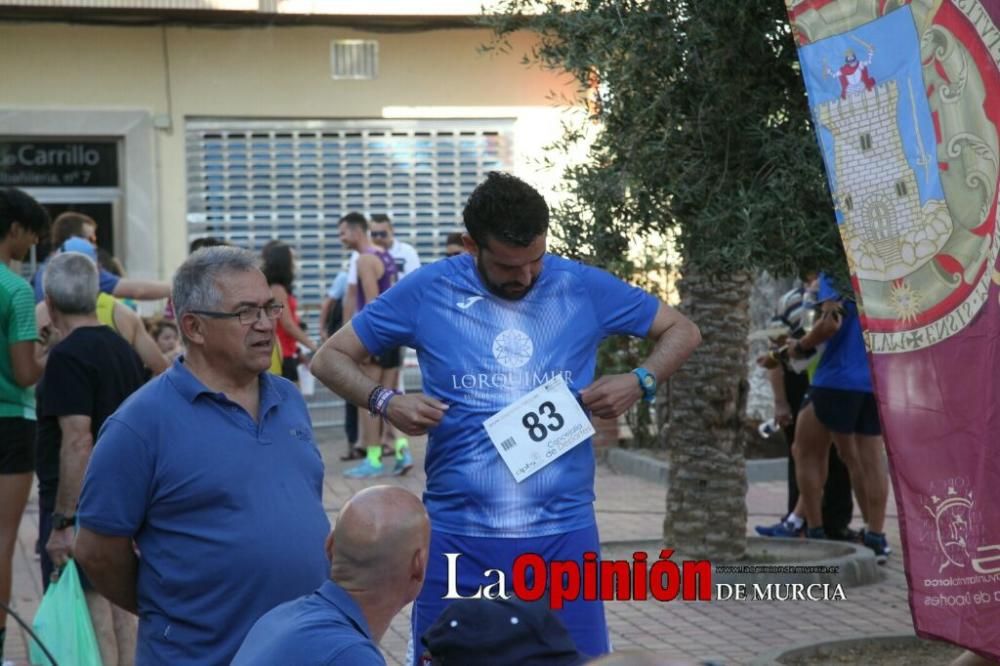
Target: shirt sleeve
38	283
827	292
20	324
108	282
352	269
339	286
119	481
69	387
621	308
412	259
391	319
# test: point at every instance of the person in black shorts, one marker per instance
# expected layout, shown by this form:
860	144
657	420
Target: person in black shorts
842	399
407	261
790	385
390	360
376	273
22	221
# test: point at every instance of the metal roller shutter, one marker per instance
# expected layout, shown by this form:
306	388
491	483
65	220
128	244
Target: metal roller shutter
251	181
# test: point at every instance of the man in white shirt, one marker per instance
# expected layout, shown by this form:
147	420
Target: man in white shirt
407	260
405	255
382	234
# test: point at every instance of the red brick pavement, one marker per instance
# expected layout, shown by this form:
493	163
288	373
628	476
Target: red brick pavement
731	632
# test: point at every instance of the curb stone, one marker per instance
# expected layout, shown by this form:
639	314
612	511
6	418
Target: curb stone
855	564
648	468
772	657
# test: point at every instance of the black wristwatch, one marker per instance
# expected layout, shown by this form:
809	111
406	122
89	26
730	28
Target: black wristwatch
61	521
802	351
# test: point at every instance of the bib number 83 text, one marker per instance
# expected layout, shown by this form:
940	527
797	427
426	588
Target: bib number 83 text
537	430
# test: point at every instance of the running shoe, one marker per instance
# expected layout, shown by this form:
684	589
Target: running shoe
404	463
845	534
879	545
816	533
364	470
785	529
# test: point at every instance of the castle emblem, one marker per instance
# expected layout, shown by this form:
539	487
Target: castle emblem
912	160
887	233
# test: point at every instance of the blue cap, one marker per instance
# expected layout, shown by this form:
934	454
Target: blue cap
500	632
81	245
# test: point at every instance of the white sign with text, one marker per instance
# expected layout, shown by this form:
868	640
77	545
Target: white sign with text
538	428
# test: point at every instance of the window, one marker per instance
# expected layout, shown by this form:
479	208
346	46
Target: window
848	202
901	190
866	141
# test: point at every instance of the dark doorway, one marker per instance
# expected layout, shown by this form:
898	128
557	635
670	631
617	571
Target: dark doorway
102	213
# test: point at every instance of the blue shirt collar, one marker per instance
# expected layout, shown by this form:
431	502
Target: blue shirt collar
344	602
190	387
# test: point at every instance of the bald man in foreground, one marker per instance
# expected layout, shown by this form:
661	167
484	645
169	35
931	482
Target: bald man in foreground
378	556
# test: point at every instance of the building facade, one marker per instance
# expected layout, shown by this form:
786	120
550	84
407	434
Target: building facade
172	120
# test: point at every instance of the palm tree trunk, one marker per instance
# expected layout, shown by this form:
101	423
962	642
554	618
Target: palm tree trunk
706	496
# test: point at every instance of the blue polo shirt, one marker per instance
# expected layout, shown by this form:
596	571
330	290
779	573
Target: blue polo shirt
324	628
226	512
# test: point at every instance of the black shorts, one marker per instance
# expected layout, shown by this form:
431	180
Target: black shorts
290	368
846	412
17	445
390	359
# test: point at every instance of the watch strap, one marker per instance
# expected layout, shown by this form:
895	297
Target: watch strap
61	521
647	382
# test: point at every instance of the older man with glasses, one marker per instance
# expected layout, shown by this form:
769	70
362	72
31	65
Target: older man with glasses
211	470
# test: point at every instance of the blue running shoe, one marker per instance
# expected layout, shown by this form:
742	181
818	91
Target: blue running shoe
364	470
783	529
404	463
879	545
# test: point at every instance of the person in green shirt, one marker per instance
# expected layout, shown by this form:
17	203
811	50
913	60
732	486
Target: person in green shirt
22	221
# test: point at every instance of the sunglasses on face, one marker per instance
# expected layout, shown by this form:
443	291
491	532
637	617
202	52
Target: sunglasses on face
380	234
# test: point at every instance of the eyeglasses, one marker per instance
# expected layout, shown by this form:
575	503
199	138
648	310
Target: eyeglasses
380	234
247	315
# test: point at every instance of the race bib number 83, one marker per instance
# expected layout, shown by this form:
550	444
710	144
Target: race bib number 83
538	428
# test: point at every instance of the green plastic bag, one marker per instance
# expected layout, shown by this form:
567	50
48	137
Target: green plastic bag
63	624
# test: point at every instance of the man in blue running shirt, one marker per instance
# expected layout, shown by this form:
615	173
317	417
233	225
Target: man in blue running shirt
490	327
842	399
